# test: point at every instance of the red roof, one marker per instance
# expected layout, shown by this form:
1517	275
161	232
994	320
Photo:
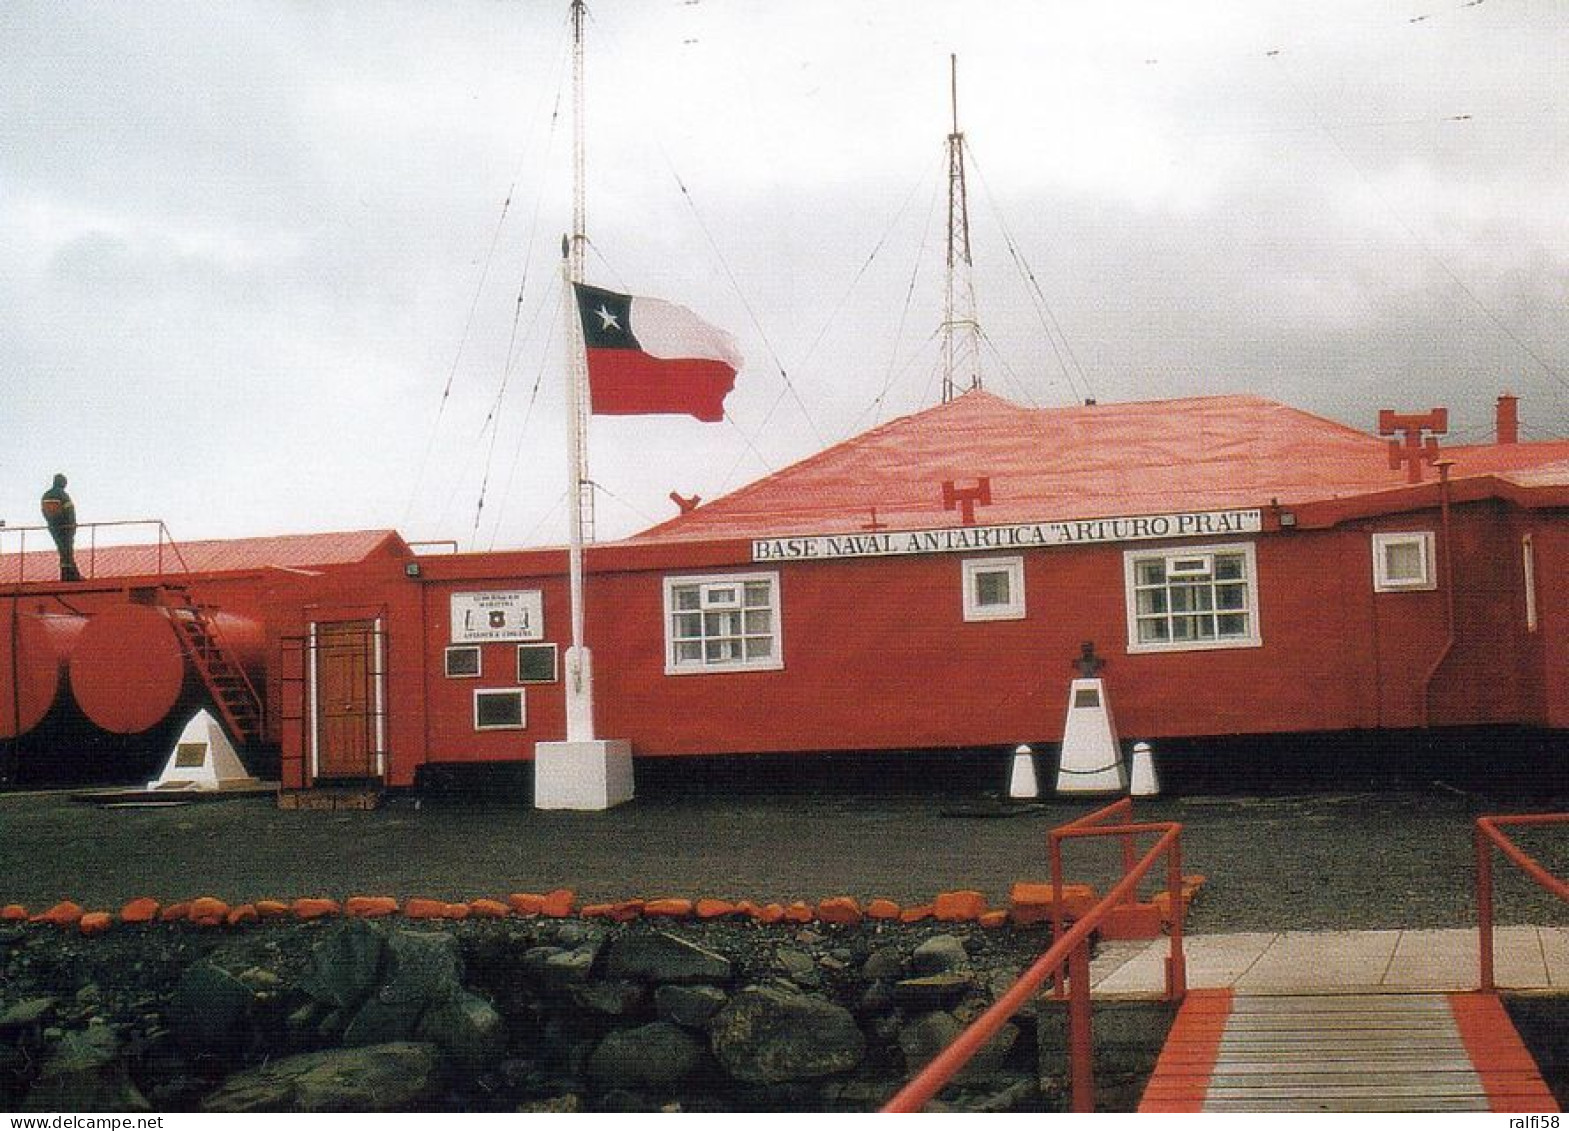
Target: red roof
1093	461
237	555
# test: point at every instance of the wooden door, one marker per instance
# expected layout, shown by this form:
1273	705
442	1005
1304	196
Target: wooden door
346	699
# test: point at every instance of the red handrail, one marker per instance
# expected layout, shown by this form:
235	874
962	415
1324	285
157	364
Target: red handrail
161	531
1072	949
1490	835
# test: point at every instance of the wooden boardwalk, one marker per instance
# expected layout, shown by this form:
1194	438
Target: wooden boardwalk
1414	1052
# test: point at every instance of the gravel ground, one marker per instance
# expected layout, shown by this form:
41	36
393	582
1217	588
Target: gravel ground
1354	860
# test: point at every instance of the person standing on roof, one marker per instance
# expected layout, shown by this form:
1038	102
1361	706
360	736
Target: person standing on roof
60	514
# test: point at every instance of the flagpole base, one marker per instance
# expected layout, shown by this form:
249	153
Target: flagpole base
590	775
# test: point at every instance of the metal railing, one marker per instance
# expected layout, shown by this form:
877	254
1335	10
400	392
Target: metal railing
166	556
1071	950
1490	835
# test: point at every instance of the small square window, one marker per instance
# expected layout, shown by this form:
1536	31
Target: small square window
463	662
500	709
536	663
1403	562
993	589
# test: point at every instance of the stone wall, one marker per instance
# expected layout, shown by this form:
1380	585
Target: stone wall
514	1015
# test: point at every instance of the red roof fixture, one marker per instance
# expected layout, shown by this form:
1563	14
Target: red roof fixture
1414	449
1507	422
686	505
966	499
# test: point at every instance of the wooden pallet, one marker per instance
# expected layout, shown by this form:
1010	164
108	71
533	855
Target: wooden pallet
330	798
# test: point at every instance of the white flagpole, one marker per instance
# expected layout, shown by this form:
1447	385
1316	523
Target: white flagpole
579	690
582	772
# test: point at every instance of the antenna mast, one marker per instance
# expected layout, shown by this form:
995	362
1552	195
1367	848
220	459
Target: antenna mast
961	355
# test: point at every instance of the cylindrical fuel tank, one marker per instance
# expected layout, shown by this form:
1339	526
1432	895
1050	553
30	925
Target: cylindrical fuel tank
129	670
34	647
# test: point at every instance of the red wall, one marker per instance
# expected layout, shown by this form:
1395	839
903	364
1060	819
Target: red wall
878	655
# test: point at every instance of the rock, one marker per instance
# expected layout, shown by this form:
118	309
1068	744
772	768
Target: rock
798	967
210	1010
689	1006
569	967
927	1035
388	1077
612	999
940	954
423	970
764	1036
884	963
26	1014
933	991
468	1029
655	956
85	1073
346	965
657	1055
568	1104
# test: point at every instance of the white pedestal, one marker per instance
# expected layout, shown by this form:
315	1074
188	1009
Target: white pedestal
589	775
203	758
1144	783
1091	759
1022	785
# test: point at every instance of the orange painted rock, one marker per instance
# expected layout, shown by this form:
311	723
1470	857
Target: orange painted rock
370	906
143	910
668	908
311	908
63	914
488	909
840	909
559	903
882	909
798	912
457	911
958	906
94	923
916	914
526	904
1034	903
425	909
244	913
206	911
993	919
175	913
13	913
714	908
596	910
770	913
273	909
626	910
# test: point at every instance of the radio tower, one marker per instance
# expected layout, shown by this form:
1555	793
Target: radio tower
961	354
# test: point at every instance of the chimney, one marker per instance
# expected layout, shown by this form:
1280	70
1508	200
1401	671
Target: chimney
1508	419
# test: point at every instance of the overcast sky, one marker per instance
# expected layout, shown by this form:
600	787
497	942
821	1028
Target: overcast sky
259	273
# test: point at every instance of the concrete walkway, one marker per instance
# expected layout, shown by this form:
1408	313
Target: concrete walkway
1525	958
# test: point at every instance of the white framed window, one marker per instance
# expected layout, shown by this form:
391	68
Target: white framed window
993	588
463	662
723	623
1403	562
1192	598
536	663
1528	569
499	709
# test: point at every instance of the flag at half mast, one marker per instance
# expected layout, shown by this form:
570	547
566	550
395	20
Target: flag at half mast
646	356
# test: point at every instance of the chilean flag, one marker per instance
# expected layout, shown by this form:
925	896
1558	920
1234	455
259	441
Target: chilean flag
646	356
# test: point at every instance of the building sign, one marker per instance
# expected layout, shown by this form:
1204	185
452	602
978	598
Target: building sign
478	618
1020	536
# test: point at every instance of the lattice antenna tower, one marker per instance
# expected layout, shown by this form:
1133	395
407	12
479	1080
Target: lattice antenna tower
961	353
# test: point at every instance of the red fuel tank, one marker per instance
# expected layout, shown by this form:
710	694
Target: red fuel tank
129	669
34	647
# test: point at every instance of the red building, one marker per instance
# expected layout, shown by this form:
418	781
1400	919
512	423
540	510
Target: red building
1241	566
